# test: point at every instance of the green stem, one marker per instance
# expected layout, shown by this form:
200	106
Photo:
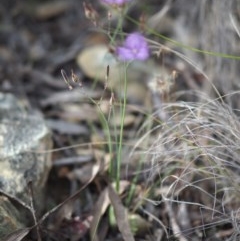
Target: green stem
118	29
179	44
123	113
105	125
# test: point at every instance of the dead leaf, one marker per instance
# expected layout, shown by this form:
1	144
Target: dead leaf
75	95
98	138
121	215
94	60
73	160
51	9
74	112
138	224
64	127
103	159
101	207
117	120
17	235
84	173
66	210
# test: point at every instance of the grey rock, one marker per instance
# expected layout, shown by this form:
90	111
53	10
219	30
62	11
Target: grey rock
23	138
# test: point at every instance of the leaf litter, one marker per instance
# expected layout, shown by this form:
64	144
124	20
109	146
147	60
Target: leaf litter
182	152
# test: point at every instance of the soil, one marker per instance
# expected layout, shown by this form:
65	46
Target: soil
39	45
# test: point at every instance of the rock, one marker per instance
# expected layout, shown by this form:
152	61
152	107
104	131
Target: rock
23	135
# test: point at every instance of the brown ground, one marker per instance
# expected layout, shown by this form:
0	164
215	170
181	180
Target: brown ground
38	39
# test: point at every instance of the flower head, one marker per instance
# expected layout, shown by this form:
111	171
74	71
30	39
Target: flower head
115	2
135	47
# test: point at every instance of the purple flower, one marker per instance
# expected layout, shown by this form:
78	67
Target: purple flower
115	2
135	47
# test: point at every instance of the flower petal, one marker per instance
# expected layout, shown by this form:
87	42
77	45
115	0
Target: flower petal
134	40
115	2
134	47
125	54
143	54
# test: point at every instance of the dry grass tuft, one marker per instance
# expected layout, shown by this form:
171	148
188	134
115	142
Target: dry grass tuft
195	161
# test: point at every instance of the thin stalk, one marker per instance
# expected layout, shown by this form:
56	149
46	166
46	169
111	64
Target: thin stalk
123	113
118	29
179	44
106	129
